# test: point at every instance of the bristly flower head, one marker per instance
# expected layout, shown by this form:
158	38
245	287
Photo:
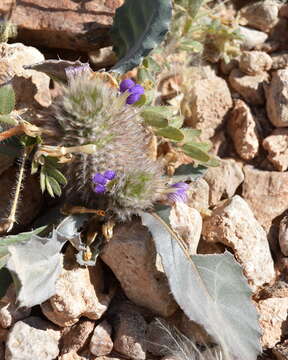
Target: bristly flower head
178	192
121	172
135	90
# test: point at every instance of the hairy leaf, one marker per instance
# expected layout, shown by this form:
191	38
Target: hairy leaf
170	133
7	99
139	26
189	172
195	152
211	290
156	116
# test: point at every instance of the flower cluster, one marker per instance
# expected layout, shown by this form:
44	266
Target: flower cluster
178	192
135	90
101	180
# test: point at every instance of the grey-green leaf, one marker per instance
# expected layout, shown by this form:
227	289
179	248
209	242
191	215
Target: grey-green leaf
189	172
7	99
211	290
195	152
170	133
156	116
139	26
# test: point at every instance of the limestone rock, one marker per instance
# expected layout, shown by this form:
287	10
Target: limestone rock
75	338
277	146
277	99
250	87
141	280
80	26
79	292
233	224
31	87
252	37
243	130
273	314
187	223
32	339
224	180
101	343
254	62
266	192
198	195
210	101
9	310
279	60
130	329
283	235
70	356
262	15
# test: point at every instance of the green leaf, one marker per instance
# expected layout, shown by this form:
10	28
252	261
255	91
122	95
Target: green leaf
190	134
57	175
211	290
48	186
171	133
212	162
191	45
189	172
177	122
7	99
151	64
8	119
139	26
42	180
156	116
14	239
195	153
56	189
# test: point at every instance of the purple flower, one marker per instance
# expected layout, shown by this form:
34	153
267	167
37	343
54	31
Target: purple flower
109	174
135	90
100	189
101	180
178	193
74	71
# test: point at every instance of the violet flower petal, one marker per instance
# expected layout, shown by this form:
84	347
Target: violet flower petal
109	174
99	179
126	85
100	189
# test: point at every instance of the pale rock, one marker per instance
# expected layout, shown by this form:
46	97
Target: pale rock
279	60
277	146
187	223
227	67
70	356
277	99
75	337
283	235
101	342
130	329
79	292
273	315
143	283
262	15
250	87
266	192
243	130
198	195
254	62
224	180
31	339
251	37
9	310
31	87
233	224
279	34
210	101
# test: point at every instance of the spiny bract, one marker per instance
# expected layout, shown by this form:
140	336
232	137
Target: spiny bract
90	111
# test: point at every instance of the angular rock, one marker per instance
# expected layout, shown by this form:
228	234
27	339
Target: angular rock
283	235
262	15
70	356
9	310
79	292
141	280
187	223
250	87
210	101
277	146
277	99
101	342
31	86
224	180
254	62
273	315
251	37
198	195
266	192
243	130
80	26
130	329
279	34
75	338
32	339
279	60
233	224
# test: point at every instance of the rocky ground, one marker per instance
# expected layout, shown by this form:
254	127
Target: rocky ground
109	312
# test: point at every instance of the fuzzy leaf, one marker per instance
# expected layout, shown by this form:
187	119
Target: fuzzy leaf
195	152
12	240
7	99
36	265
189	172
156	116
171	133
211	290
190	134
139	26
